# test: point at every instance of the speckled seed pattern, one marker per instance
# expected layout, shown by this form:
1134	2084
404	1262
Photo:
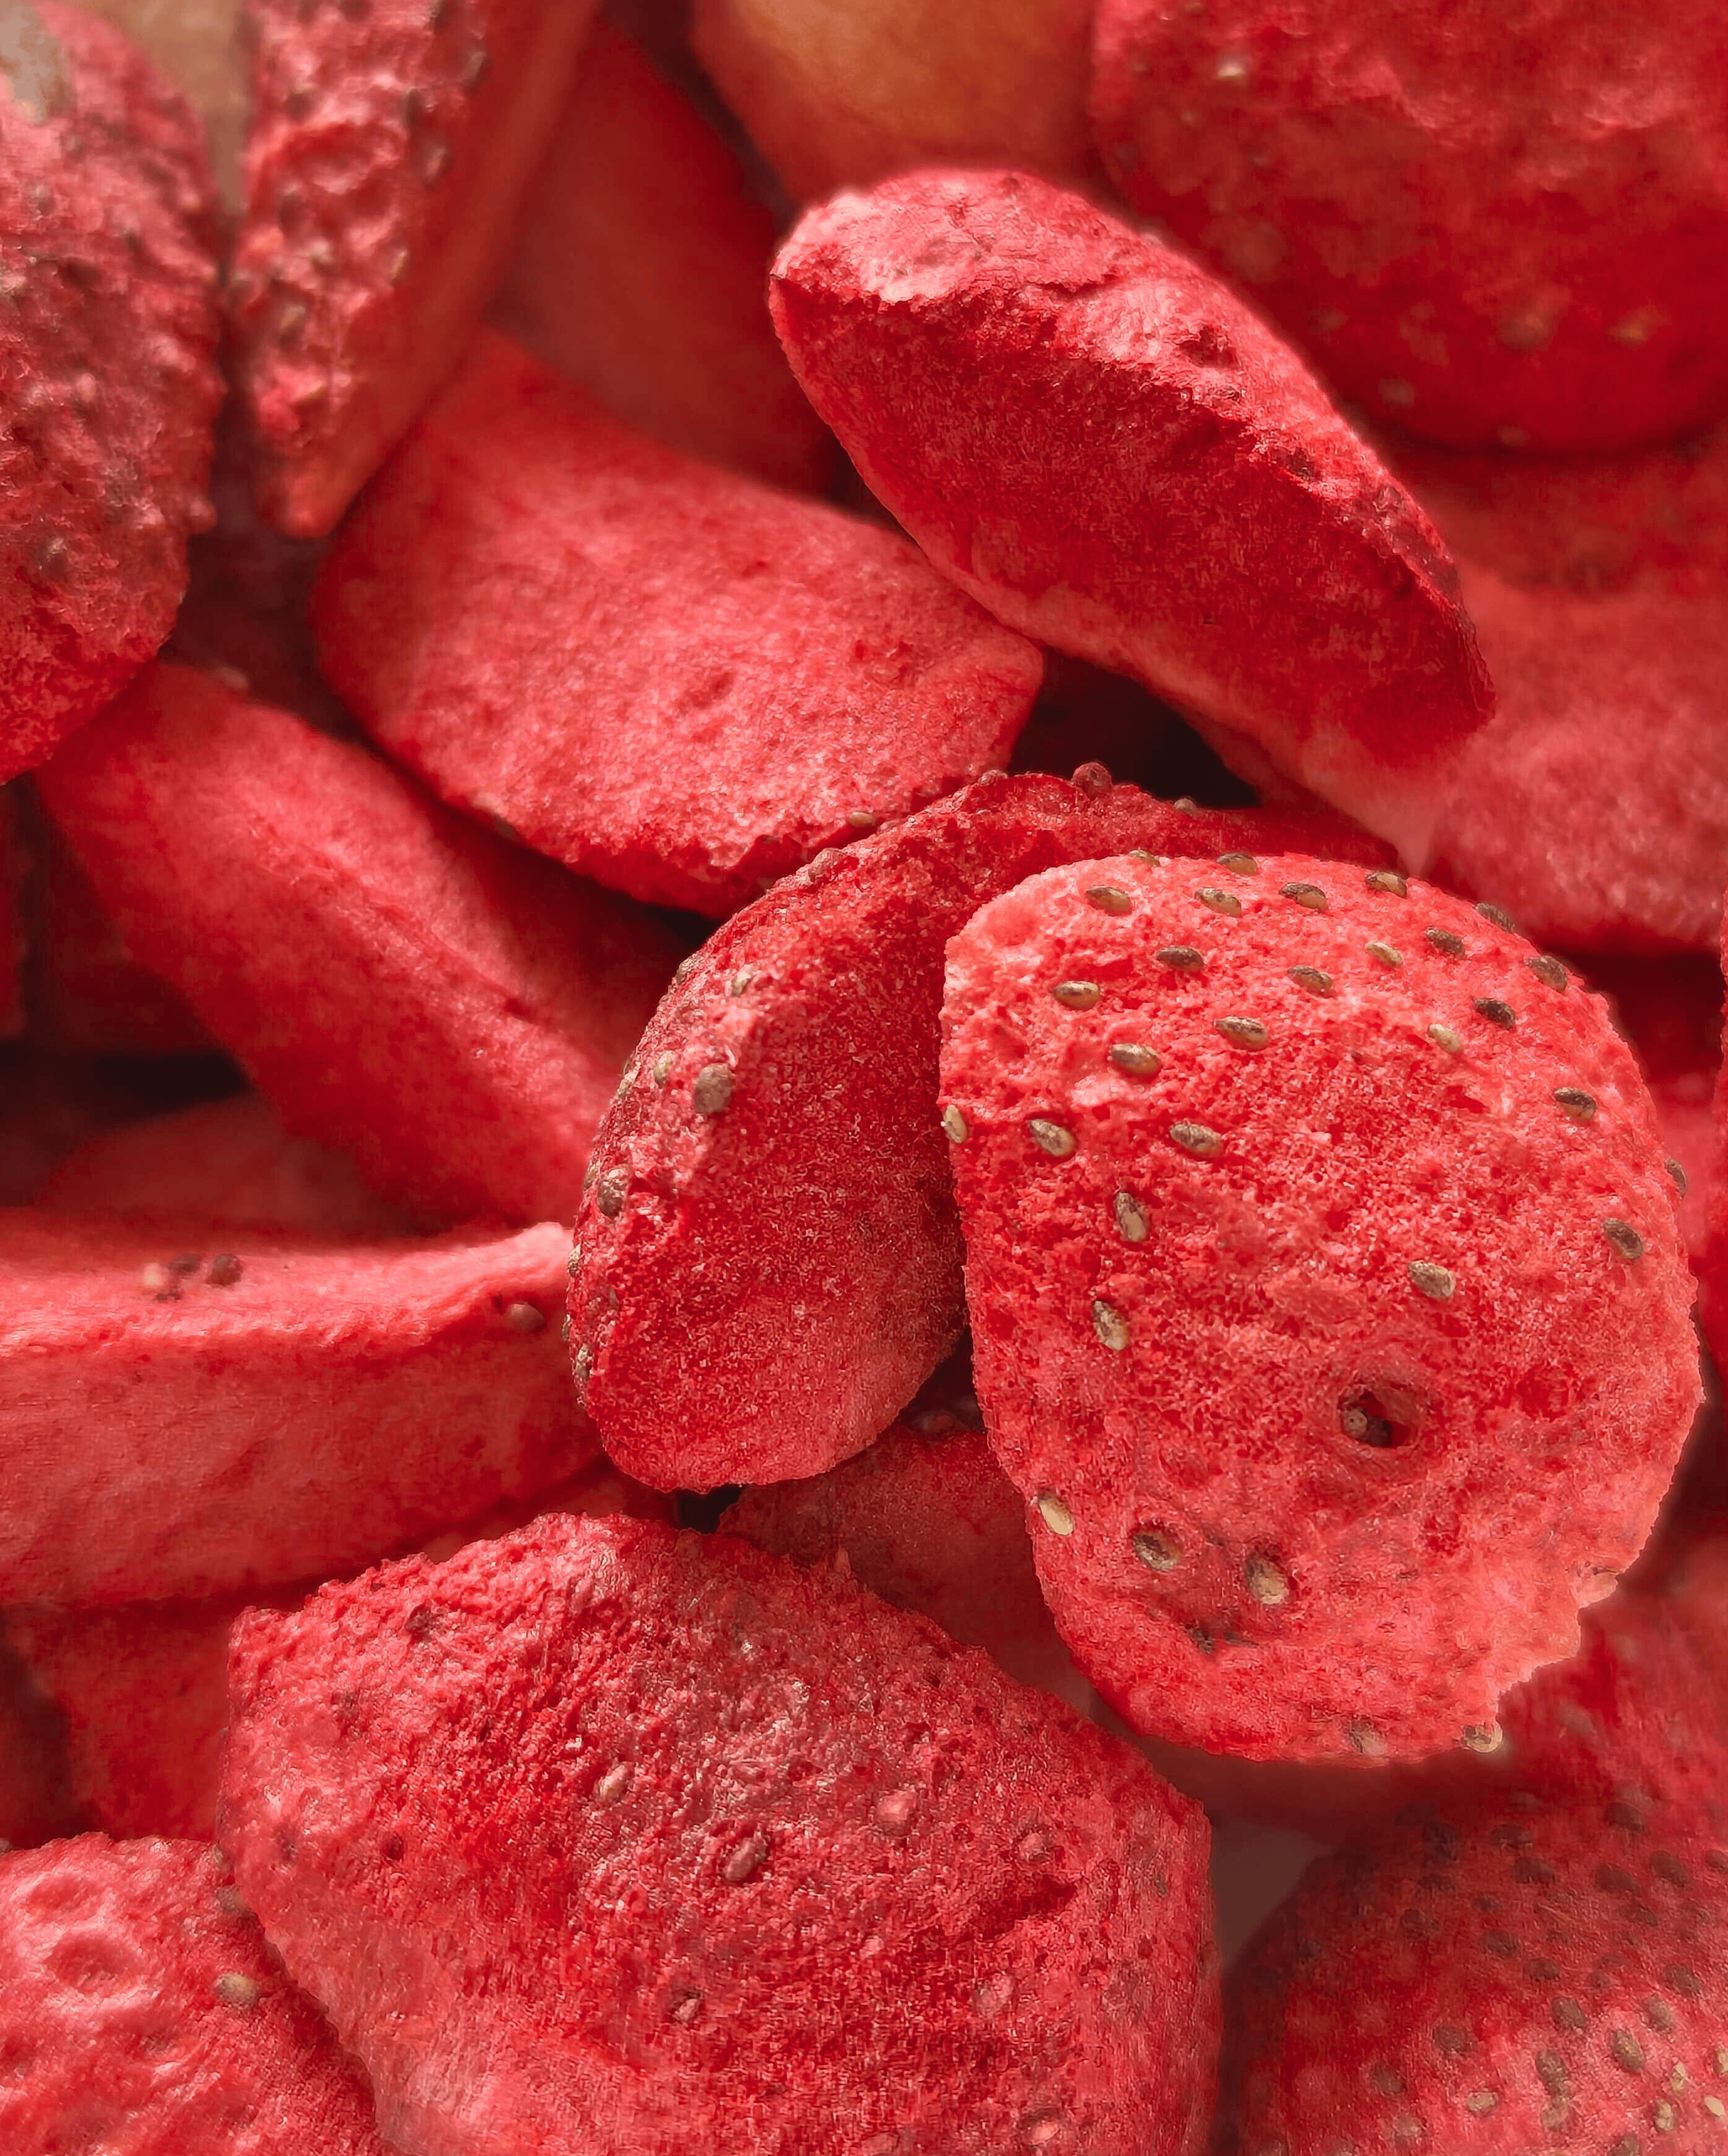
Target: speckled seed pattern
1341	1310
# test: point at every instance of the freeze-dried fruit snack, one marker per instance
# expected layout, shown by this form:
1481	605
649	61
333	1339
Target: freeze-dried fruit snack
639	268
142	2014
1521	1973
1099	441
405	986
677	681
1497	222
838	93
1326	1289
141	1689
391	144
227	1163
186	1415
654	1842
108	380
770	1261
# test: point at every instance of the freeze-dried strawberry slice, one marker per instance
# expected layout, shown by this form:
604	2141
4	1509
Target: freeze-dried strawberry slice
391	143
638	271
108	382
1326	1290
1497	222
406	987
186	1415
141	2013
143	1689
1102	443
1517	1974
656	1843
770	1261
674	680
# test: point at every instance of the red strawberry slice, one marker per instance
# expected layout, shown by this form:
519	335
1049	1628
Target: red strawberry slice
107	368
1499	224
629	1839
229	1163
678	681
141	2012
1524	1973
408	988
143	1688
188	1415
390	145
774	1172
639	269
1326	1287
1101	443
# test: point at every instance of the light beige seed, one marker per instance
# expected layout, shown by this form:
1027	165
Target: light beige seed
862	819
1180	957
1498	915
1220	901
235	1989
712	1093
954	1125
1245	1032
741	981
662	1068
226	1270
1388	881
1054	1513
1365	1738
1443	1036
1239	864
583	1365
1434	1282
1197	1139
1494	1011
611	1191
1306	893
1131	1217
746	1861
1715	2107
1481	2101
1156	1550
613	1783
1267	1582
1312	979
1134	1057
1152	860
1445	942
1626	2051
1386	954
1624	1237
158	1280
1482	1736
525	1317
1076	995
1107	899
1578	1104
1050	1137
1110	1326
685	967
1549	970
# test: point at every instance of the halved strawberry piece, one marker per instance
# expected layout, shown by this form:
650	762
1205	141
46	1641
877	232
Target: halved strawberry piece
187	1414
1518	1974
1105	446
107	368
1326	1289
141	2012
677	680
407	988
391	144
638	271
1501	223
618	1838
775	1174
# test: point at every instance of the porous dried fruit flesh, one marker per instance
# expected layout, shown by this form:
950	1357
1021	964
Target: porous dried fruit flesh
107	368
1349	1352
1499	222
775	1172
838	93
186	1415
1100	442
141	2013
638	271
629	1839
672	678
406	987
391	145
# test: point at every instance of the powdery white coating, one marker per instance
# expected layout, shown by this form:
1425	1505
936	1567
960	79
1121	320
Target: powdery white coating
108	381
638	271
805	1236
142	2014
278	1408
674	680
627	1838
1100	442
1402	1328
391	145
1499	222
838	93
406	987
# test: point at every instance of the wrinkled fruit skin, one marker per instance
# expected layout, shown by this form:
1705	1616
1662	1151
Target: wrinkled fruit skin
108	381
1342	1362
653	1842
1101	443
1503	222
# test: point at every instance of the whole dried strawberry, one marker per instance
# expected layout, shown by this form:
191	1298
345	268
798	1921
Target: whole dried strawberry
108	383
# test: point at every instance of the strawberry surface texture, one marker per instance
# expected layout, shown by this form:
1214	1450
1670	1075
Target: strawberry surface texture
624	1837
